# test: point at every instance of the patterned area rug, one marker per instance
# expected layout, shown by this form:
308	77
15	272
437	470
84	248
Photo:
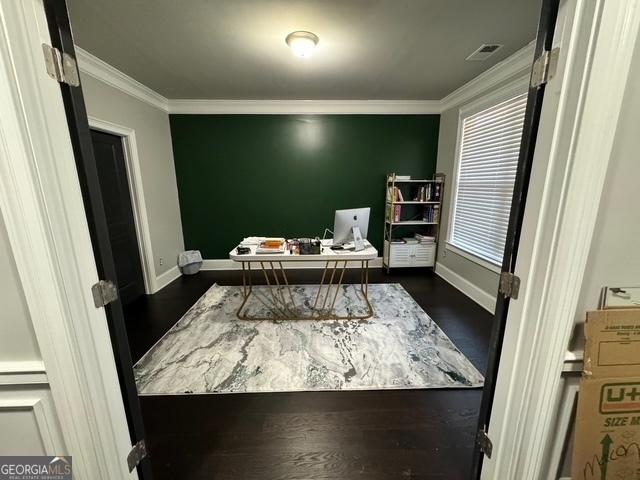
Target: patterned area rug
210	351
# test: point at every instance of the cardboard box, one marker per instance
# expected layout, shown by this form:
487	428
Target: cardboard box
607	440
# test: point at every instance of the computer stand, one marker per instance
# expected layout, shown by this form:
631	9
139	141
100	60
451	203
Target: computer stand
358	242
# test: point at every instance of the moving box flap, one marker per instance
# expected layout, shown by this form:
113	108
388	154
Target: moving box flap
612	346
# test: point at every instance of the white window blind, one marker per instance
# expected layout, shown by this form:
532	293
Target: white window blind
488	158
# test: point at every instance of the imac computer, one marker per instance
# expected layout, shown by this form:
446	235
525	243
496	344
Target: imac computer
351	226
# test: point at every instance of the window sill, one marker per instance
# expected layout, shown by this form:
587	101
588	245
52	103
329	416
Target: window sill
474	258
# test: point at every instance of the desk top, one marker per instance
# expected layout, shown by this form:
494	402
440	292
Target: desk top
326	255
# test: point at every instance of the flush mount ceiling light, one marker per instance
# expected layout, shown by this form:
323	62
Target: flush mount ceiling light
302	43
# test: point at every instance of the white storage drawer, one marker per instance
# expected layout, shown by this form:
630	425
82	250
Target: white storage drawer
410	255
424	254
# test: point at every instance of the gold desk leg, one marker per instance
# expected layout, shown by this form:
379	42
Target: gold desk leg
366	278
286	281
279	314
285	307
276	310
326	297
365	290
247	288
335	296
324	274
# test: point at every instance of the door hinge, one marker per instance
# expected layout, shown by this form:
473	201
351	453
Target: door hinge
509	285
136	455
61	66
544	67
483	440
104	292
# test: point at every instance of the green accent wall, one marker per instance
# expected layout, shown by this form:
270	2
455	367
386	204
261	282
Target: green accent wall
285	175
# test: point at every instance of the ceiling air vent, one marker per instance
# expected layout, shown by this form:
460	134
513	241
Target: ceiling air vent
484	52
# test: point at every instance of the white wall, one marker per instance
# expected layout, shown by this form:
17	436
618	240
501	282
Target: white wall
614	258
155	151
17	337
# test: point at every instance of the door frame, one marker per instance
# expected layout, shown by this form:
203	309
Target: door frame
41	204
136	192
573	148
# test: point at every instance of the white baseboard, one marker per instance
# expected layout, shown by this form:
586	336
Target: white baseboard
166	278
475	293
227	264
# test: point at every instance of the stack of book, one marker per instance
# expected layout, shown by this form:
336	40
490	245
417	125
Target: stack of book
271	245
424	238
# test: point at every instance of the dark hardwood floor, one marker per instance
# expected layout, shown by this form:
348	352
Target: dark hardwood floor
404	434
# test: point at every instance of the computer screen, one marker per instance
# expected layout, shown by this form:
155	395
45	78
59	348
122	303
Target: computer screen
345	220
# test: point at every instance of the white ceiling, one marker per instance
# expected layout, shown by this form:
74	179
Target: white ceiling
235	49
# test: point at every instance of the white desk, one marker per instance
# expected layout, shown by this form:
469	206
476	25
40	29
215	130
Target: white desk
280	307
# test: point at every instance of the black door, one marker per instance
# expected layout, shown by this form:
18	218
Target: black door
80	135
544	41
112	175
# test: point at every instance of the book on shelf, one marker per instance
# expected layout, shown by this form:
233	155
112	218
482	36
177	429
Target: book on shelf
394	195
436	192
431	213
393	213
426	193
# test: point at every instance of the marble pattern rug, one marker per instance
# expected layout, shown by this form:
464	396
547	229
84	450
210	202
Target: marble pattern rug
210	351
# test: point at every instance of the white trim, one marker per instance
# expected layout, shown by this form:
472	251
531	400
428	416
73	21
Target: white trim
473	258
22	366
517	64
577	129
167	277
24	372
91	65
475	293
227	264
41	202
517	86
283	107
40	414
134	178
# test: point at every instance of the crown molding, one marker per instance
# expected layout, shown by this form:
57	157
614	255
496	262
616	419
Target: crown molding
517	64
281	107
101	70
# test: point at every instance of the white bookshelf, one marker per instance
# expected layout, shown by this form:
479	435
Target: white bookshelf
405	217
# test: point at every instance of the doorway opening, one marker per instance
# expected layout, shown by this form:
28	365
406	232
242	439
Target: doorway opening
391	421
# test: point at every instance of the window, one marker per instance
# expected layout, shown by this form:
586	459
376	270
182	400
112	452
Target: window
487	161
